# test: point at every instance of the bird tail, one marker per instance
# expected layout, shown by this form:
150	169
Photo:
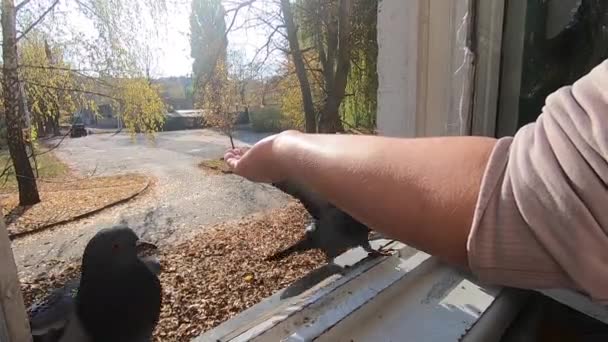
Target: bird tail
300	246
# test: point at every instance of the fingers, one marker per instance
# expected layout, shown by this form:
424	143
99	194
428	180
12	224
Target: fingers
239	151
231	159
230	154
252	162
232	163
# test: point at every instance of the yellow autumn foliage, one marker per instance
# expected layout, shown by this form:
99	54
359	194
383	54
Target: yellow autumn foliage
291	95
49	84
55	89
139	105
220	99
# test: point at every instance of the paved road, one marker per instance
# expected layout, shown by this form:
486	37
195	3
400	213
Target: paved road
183	200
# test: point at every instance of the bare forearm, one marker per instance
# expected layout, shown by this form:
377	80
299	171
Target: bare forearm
420	191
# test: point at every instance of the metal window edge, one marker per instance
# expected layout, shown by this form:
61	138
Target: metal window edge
273	304
332	305
578	302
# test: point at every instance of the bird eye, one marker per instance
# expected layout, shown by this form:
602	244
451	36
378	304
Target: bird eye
115	247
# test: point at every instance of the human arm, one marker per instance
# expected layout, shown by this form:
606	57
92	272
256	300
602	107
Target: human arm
419	191
539	219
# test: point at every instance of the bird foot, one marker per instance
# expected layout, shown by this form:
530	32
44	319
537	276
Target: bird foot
379	253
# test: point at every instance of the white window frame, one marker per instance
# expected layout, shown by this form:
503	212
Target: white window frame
440	77
418	97
14	325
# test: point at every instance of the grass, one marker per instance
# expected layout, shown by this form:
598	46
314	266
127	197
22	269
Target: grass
49	167
63	197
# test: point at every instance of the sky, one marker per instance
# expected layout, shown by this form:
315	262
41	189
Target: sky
171	46
174	59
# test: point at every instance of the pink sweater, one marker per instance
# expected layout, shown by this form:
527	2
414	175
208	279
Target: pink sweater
541	219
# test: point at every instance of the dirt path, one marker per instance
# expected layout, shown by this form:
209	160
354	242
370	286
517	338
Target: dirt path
182	200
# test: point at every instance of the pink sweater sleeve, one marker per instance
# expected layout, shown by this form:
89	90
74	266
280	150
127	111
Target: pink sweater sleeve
541	219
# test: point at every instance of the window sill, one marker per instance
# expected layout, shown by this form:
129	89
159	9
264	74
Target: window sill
408	294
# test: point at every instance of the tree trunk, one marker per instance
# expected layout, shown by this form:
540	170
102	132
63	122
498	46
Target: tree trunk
55	123
28	190
298	61
330	121
48	125
40	127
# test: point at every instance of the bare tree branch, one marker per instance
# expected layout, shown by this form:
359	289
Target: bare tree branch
263	62
7	167
79	72
266	46
53	147
47	11
236	13
228	29
21	5
275	28
53	67
93	12
71	90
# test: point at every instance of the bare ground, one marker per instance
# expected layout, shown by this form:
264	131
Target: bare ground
182	200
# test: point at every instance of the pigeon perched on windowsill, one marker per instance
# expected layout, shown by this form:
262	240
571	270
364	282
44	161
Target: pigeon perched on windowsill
332	230
116	298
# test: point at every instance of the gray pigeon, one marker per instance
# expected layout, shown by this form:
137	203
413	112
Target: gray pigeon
116	298
332	230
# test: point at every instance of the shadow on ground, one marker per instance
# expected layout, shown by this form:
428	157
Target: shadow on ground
311	279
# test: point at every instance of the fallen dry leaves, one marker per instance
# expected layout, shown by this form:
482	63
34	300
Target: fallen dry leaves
218	273
64	201
215	166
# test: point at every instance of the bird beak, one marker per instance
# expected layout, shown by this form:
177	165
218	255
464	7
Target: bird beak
142	246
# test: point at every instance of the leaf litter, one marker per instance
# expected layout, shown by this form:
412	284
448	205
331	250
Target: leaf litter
65	201
219	272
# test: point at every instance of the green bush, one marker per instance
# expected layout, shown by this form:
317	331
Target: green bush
267	119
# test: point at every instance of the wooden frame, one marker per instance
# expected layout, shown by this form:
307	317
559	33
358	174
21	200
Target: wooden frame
489	25
14	325
428	92
510	82
400	72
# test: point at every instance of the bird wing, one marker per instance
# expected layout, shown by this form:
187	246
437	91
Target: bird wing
52	312
313	202
337	232
152	263
74	331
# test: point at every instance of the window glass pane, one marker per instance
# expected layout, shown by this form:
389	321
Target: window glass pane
564	40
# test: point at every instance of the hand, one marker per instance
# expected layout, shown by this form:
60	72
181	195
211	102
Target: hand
259	163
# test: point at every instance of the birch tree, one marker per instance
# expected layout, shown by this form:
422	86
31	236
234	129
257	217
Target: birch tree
110	58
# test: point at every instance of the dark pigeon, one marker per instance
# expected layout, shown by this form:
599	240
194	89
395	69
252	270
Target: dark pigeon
49	316
116	298
332	230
